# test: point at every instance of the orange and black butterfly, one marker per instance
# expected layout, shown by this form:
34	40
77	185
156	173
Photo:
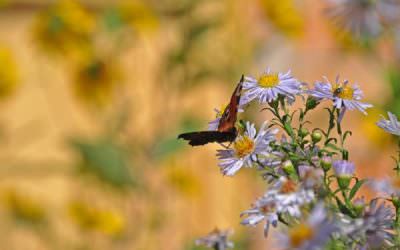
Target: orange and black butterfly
226	131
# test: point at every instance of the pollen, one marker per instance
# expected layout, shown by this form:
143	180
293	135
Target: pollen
288	186
243	146
300	234
268	80
345	92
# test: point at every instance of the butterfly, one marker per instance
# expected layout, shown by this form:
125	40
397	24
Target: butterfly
226	131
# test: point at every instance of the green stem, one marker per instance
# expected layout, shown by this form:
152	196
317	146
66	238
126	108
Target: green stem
397	225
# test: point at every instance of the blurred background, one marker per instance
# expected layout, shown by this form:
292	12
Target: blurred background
93	94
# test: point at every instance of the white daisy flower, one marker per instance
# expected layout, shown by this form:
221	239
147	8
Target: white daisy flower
245	149
391	126
310	234
268	86
342	94
284	197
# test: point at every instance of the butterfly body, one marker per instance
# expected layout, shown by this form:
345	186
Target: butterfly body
337	91
226	131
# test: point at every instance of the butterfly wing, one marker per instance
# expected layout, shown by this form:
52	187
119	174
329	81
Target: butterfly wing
226	131
204	137
228	118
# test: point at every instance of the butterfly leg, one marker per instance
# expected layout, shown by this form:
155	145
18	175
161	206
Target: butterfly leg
227	147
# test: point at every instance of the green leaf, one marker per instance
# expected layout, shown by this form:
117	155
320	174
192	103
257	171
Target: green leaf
168	144
112	20
199	29
332	146
331	118
331	139
336	244
311	103
342	207
106	160
347	133
355	188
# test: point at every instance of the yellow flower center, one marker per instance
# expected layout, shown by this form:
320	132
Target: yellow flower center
300	234
344	92
268	80
243	146
288	186
268	208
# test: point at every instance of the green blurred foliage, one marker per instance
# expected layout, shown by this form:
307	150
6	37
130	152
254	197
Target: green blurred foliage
167	144
393	78
105	159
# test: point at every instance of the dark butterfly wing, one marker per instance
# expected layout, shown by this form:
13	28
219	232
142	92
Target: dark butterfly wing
228	118
204	137
226	131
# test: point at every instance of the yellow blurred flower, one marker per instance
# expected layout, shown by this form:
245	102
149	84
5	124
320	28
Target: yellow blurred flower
24	207
345	39
369	128
284	15
65	27
182	180
4	3
94	219
8	72
95	80
138	15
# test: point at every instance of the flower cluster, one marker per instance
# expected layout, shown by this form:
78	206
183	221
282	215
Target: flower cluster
364	18
312	186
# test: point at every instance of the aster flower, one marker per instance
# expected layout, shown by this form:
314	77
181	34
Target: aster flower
311	177
342	94
217	239
343	168
311	234
344	171
388	186
284	197
363	18
290	196
391	126
373	226
245	149
389	10
263	209
268	86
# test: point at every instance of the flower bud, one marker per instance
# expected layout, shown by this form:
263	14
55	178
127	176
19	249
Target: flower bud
303	132
316	136
344	171
288	168
326	163
359	205
311	103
